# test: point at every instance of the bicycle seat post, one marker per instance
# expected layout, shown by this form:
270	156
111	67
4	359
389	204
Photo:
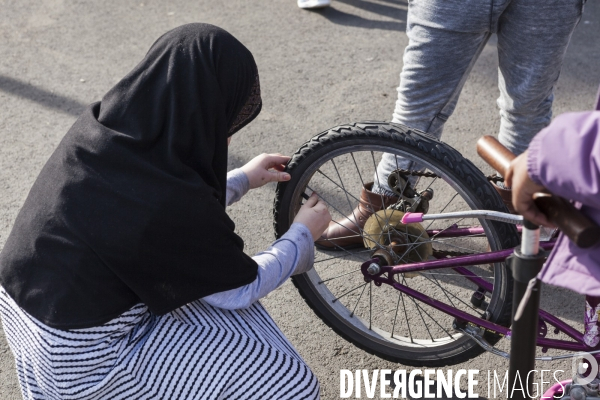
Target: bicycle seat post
526	262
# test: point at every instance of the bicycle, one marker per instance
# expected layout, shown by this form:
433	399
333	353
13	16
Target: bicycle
439	289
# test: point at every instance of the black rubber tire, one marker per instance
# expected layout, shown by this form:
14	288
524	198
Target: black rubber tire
439	156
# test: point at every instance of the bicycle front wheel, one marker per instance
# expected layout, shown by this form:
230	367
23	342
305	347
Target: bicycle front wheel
379	319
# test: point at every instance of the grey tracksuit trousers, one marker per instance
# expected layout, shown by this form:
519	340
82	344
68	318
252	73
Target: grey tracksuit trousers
445	39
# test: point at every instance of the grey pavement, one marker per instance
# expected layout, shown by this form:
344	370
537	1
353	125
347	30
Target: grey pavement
317	69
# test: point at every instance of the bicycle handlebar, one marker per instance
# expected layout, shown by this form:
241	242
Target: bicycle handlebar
583	232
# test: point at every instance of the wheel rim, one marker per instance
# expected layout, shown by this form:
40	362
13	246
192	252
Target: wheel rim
381	314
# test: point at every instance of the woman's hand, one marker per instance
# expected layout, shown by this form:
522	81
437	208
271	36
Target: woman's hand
314	215
266	168
523	188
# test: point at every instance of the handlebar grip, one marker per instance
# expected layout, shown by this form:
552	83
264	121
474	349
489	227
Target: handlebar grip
494	153
583	232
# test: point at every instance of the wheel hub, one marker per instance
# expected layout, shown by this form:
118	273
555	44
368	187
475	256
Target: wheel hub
385	233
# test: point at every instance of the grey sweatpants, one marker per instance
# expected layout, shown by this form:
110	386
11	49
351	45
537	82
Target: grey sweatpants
445	39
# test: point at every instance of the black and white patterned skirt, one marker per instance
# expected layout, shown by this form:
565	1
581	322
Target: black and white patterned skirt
194	352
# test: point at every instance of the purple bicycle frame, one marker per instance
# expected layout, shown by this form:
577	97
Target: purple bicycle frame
458	264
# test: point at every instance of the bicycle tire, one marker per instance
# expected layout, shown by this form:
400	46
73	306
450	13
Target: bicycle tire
458	173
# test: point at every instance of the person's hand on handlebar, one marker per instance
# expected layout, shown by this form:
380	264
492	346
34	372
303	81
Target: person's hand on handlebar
523	189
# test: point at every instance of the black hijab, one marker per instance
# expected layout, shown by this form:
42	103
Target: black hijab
131	206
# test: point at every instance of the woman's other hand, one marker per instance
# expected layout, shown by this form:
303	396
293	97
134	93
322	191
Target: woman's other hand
266	168
523	189
314	215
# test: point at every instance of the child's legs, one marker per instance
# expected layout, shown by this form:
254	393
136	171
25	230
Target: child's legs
533	36
444	43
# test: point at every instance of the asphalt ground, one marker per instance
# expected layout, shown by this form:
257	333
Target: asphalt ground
317	70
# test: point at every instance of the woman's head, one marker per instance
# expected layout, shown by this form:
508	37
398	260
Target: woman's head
196	86
192	66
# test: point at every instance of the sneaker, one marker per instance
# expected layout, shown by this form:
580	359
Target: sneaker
310	4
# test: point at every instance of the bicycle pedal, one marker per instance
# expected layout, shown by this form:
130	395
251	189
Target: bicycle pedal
478	300
459	325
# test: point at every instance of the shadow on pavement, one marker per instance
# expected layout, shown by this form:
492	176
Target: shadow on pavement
343	18
398	11
44	97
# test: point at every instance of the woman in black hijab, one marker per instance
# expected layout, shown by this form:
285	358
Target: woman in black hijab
122	276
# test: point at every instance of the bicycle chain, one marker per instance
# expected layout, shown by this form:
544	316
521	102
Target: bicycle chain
492	178
445	253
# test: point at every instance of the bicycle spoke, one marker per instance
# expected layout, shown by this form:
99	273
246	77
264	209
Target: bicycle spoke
339	276
396	313
345	255
448	203
349	291
343	188
339	247
336	184
433	319
431	183
426	313
406	317
422	319
370	304
446	293
437	283
357	170
357	301
451	294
